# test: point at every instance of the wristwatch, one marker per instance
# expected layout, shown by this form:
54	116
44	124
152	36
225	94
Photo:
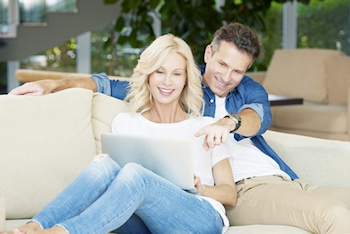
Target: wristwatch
236	119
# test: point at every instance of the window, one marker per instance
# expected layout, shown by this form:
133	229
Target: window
324	24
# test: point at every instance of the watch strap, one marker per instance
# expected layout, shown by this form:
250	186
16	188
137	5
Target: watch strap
236	119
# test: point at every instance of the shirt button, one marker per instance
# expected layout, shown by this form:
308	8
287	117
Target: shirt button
211	100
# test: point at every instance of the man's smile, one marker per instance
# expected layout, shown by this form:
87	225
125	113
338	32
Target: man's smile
220	83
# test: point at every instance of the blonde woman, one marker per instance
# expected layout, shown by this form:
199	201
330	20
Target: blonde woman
166	96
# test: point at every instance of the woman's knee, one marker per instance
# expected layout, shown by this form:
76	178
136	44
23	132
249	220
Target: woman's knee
135	173
134	170
101	166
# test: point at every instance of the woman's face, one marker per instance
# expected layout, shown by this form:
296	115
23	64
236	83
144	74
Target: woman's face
168	81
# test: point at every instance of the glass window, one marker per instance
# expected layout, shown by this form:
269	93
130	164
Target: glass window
32	11
3	16
61	5
324	24
272	36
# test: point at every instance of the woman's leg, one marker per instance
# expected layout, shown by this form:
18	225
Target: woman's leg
162	206
134	225
81	193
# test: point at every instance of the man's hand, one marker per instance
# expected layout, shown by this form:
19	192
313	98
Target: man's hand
36	88
215	134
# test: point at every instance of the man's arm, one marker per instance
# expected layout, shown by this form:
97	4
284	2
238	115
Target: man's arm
255	116
249	126
217	133
43	87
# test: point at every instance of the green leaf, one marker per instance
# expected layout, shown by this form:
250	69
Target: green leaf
107	44
119	25
110	2
154	3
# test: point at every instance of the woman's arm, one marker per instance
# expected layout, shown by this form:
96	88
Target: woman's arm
224	190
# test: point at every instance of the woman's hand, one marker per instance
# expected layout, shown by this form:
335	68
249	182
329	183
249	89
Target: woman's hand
198	184
224	190
215	134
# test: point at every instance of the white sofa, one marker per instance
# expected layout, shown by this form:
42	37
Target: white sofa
46	141
322	78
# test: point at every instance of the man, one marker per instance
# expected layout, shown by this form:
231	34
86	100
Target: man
269	192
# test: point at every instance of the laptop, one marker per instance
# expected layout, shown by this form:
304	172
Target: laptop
168	157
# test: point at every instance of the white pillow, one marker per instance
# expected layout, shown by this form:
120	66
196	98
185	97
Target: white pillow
45	142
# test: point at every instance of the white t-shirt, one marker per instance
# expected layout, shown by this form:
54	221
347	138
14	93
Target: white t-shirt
135	123
247	160
220	103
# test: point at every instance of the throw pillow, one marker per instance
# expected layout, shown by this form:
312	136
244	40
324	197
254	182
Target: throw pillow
45	143
299	73
338	79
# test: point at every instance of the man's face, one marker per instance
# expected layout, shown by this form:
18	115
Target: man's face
225	68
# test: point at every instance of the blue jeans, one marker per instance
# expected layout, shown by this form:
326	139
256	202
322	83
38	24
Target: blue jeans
105	197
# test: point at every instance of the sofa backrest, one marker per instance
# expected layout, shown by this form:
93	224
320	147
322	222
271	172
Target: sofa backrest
104	109
304	73
45	142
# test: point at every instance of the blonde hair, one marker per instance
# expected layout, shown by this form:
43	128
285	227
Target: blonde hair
152	58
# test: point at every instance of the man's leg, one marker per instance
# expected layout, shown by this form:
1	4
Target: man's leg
342	194
273	200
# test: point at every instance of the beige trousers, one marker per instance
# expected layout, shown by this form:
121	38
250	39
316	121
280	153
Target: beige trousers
274	200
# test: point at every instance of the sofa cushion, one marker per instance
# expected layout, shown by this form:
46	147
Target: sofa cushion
317	161
338	79
299	73
265	229
104	109
45	142
311	117
2	211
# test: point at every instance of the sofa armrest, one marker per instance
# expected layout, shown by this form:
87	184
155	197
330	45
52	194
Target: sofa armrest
2	211
348	113
318	161
258	76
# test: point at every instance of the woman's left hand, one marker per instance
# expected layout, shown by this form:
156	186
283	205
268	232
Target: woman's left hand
198	184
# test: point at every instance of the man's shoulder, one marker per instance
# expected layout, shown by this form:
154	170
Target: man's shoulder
248	79
248	82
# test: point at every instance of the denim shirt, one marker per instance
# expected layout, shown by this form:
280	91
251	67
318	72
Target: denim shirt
248	94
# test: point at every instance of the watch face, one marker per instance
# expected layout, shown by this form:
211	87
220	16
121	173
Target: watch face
235	118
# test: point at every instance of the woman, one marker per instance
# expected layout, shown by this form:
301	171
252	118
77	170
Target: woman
166	95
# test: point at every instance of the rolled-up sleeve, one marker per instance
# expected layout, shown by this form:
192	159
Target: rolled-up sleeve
103	83
257	99
113	88
257	107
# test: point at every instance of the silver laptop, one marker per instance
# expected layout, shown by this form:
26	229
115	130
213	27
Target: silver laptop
170	158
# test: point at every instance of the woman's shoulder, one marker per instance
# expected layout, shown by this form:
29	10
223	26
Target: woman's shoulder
122	118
